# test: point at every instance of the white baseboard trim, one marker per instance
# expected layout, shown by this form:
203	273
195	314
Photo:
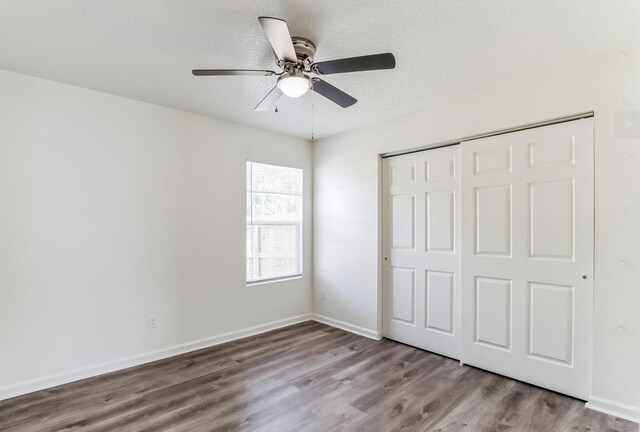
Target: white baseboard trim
617	409
25	387
347	327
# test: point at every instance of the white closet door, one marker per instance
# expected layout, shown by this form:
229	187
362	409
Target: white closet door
421	247
527	255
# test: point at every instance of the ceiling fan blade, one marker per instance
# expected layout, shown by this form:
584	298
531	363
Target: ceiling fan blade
232	72
277	32
269	100
355	64
332	93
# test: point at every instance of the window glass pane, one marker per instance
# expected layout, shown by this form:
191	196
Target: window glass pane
277	250
270	178
273	207
271	251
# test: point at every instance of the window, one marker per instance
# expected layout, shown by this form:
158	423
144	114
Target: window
274	222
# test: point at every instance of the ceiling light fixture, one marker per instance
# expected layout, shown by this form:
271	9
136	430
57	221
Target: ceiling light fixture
294	84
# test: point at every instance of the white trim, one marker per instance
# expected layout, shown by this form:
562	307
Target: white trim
25	387
371	334
272	280
617	409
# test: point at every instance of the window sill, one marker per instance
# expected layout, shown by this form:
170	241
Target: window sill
278	279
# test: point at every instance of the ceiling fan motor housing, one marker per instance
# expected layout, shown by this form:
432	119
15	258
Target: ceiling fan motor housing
305	50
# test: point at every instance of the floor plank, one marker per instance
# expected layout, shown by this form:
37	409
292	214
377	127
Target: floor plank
308	377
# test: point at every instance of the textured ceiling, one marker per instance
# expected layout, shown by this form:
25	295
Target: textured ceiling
145	49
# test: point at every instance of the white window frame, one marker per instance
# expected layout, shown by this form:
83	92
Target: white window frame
257	223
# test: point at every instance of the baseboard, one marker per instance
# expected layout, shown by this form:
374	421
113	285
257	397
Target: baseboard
626	412
112	366
347	327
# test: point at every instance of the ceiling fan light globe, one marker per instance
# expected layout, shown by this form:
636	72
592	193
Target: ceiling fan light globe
294	85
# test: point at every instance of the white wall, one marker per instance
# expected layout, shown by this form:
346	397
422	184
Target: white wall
112	210
346	194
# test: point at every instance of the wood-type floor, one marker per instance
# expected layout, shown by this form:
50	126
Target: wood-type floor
307	377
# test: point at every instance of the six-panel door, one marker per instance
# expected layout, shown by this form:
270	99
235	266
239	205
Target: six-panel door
421	243
527	255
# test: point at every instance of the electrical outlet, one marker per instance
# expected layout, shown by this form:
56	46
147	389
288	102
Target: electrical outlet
322	296
153	321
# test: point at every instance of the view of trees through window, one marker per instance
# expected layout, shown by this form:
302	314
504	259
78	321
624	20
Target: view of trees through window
274	221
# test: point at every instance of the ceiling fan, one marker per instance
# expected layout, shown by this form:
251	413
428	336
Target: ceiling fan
294	55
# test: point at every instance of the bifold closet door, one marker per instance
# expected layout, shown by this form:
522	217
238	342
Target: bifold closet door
421	248
527	255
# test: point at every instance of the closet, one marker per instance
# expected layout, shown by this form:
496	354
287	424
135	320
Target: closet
487	253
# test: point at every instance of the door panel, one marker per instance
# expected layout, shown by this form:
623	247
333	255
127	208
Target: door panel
440	297
493	312
527	241
492	211
403	174
554	151
551	219
402	218
403	283
421	243
440	208
551	322
492	160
